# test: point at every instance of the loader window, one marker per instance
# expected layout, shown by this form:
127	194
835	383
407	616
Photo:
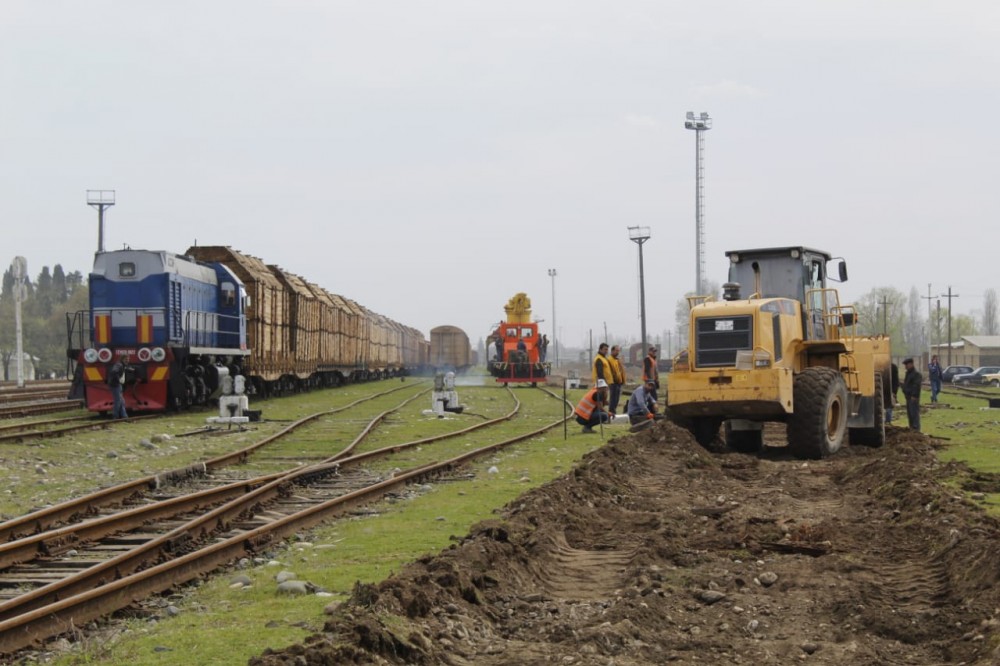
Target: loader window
228	294
776	334
816	275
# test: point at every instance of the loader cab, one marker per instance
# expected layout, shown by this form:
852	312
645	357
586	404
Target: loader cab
798	273
781	272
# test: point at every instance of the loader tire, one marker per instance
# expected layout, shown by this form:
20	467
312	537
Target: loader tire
744	441
818	423
874	436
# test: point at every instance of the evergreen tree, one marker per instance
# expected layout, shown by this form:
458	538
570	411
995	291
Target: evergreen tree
59	290
8	284
74	281
43	293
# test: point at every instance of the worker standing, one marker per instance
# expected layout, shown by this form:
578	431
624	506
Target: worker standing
911	391
601	368
617	379
651	372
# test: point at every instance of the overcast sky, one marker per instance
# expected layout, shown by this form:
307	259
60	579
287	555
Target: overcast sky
431	159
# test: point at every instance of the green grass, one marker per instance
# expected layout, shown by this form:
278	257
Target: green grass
970	432
221	625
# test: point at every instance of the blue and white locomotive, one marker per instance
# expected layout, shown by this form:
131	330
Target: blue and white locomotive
180	325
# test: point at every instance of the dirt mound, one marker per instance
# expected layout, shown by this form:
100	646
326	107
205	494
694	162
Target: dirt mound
655	550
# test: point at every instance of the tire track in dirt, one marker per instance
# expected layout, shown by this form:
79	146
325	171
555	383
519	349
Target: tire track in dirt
575	574
655	550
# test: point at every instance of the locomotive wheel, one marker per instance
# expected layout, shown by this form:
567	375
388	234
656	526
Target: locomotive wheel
744	441
874	436
818	424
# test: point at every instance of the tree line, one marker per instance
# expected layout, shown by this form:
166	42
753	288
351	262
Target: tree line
46	301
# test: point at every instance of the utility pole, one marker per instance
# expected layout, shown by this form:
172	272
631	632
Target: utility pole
950	296
937	325
19	269
885	316
929	337
555	338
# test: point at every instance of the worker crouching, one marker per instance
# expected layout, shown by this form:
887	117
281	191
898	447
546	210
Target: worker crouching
592	408
642	406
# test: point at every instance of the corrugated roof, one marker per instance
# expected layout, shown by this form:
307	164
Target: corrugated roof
983	341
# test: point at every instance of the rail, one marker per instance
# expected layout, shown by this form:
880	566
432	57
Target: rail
62	606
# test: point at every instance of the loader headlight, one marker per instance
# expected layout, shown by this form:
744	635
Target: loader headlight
762	363
90	355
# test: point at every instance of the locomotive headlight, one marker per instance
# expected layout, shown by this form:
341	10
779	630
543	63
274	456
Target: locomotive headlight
143	354
104	355
158	354
90	355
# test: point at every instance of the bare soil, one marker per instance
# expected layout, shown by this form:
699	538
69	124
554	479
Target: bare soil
656	550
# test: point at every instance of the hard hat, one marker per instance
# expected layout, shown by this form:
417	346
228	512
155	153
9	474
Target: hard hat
602	384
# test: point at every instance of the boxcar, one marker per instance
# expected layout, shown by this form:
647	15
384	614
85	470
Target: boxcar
450	349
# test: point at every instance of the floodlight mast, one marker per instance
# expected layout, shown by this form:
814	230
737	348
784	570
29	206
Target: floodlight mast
640	235
700	125
101	200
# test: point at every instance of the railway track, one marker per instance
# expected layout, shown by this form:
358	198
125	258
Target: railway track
54	428
145	549
985	392
44	397
23	409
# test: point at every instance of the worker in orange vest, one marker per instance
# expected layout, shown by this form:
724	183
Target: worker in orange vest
590	410
651	372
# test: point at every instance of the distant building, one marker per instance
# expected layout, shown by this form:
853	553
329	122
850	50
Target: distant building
29	367
974	350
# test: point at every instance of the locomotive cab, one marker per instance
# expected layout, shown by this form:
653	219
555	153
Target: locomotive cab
518	357
170	317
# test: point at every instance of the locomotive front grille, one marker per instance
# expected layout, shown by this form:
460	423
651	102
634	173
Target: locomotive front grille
719	338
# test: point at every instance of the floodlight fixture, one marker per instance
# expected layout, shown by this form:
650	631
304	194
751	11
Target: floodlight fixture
101	200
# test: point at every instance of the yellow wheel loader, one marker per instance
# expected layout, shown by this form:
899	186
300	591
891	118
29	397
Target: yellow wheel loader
786	351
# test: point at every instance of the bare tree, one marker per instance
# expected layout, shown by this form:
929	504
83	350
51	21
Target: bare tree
915	330
881	311
990	326
682	312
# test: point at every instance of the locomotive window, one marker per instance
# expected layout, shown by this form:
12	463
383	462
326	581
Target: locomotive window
228	294
126	269
526	332
511	332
